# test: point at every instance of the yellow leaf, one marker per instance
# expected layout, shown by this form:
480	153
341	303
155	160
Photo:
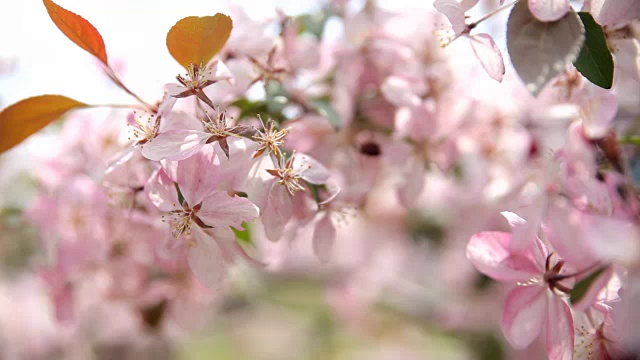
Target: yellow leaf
78	30
27	116
197	39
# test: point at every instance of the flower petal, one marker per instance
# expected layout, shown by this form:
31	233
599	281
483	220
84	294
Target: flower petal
412	184
278	211
454	12
584	239
489	253
226	240
162	191
489	55
174	145
197	175
598	112
612	239
333	190
549	10
559	330
118	170
175	89
324	236
234	171
180	120
523	234
398	91
220	209
609	12
166	104
310	169
217	71
205	259
524	315
468	4
566	228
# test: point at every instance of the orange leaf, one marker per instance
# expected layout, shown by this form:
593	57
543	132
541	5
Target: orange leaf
197	39
78	30
27	116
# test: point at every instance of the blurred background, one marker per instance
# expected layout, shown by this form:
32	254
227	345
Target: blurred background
263	316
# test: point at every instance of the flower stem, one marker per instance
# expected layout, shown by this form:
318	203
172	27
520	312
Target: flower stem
112	75
491	14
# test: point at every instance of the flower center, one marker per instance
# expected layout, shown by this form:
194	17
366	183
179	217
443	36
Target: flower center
270	140
552	275
217	125
181	220
289	178
195	77
144	128
181	223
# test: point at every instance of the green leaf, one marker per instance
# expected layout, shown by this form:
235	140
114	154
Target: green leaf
243	236
486	346
276	96
324	108
581	288
180	196
595	61
249	108
313	23
630	140
426	228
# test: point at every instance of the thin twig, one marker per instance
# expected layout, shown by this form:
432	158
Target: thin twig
477	22
112	75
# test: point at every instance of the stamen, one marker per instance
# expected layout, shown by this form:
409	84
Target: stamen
444	36
180	221
269	139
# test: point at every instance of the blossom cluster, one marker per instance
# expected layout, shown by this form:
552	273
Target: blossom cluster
354	150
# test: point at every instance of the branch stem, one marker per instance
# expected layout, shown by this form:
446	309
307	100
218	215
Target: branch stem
114	77
491	14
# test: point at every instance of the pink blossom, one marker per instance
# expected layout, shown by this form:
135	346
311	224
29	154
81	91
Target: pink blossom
202	220
489	55
483	45
454	11
182	143
598	109
610	12
286	183
537	303
197	79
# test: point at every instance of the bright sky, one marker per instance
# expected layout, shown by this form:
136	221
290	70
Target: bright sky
132	30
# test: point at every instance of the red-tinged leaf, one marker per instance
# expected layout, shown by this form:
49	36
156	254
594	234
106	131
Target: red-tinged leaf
198	39
78	30
25	117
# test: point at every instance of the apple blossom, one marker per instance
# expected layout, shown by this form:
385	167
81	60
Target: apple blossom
536	303
484	47
365	217
202	220
270	140
182	143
